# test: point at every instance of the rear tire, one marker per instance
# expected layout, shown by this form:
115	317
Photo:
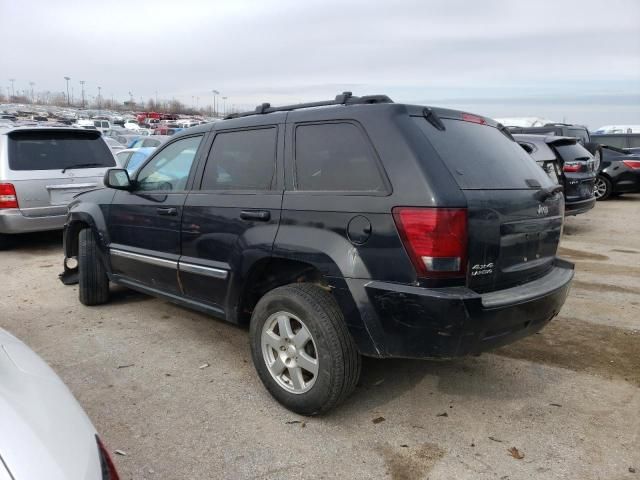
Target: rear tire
93	281
602	188
286	364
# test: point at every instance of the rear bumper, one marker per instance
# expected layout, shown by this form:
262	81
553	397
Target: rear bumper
13	221
580	206
415	322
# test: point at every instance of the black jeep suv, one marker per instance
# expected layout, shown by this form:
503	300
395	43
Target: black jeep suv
335	229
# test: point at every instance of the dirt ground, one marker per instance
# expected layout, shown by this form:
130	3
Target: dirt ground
567	399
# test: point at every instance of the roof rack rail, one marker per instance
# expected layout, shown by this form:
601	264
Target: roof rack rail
345	98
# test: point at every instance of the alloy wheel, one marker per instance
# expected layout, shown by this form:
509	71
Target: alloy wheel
289	352
599	188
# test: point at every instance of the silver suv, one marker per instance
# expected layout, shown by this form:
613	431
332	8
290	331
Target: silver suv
41	170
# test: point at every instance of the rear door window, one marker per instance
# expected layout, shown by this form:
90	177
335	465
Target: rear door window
242	160
573	152
335	157
57	150
481	157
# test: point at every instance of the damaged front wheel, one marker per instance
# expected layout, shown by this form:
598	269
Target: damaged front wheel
92	276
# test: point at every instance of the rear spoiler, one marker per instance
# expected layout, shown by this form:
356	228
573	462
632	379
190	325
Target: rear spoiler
560	141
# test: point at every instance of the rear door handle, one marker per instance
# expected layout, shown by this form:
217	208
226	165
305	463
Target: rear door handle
167	211
261	215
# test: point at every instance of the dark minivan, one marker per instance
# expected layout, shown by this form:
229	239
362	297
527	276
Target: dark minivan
335	229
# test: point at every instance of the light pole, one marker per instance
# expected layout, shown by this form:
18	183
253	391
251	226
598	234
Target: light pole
224	106
215	108
13	90
68	99
156	104
31	84
82	82
99	98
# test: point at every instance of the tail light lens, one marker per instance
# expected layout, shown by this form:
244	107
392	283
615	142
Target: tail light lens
572	167
106	462
435	239
8	197
635	164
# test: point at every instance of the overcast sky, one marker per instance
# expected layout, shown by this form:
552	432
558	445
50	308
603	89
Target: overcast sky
572	60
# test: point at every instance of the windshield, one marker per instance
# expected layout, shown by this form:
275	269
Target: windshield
482	157
53	150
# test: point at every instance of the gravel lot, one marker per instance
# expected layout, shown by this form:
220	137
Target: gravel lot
568	398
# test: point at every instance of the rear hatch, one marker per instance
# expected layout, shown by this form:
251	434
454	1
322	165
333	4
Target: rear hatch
514	223
50	166
579	169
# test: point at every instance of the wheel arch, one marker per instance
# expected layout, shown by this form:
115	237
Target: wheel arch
269	273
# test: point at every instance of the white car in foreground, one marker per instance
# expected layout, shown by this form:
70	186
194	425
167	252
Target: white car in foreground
44	433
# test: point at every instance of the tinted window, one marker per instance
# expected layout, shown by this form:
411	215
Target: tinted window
53	150
169	169
481	157
573	152
243	160
136	159
579	133
335	157
123	157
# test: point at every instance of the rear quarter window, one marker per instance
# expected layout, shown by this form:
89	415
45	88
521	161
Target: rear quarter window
335	157
480	157
53	150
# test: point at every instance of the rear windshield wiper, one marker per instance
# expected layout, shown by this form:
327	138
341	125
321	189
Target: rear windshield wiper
82	165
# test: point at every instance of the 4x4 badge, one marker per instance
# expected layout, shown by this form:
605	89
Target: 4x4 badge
542	210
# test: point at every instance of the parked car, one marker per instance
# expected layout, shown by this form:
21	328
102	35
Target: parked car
41	169
102	125
131	125
133	158
363	228
166	131
151	141
579	132
630	142
619	173
113	144
45	433
567	162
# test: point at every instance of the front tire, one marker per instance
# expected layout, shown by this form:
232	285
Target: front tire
92	276
302	350
602	188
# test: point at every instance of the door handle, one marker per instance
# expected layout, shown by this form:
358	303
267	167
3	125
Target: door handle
167	211
262	215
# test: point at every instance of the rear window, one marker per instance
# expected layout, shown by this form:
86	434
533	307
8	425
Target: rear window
34	150
481	157
573	152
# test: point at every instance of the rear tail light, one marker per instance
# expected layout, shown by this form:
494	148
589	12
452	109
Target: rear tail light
572	167
106	463
635	164
8	197
435	239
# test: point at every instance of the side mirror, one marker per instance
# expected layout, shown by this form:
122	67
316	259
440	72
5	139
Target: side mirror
117	178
